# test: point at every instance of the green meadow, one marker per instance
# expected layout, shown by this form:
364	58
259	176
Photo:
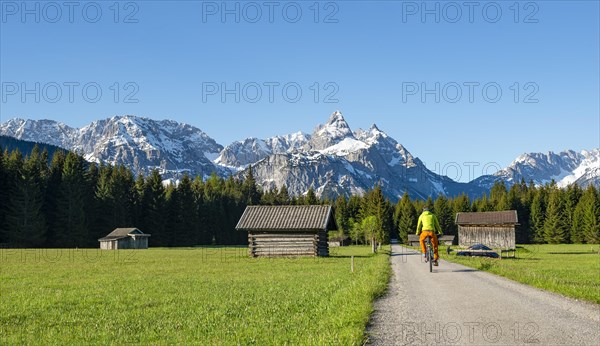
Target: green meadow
572	270
186	296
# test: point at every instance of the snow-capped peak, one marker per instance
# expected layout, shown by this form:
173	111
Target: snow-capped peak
564	168
140	143
336	126
332	159
333	131
42	131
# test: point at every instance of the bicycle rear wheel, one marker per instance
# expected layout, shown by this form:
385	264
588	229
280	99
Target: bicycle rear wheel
430	255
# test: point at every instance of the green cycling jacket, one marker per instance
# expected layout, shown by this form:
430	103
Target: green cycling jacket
428	222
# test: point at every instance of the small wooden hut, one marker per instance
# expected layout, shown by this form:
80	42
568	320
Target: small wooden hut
124	238
287	231
494	229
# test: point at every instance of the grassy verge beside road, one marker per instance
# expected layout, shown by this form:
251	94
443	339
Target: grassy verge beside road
186	296
572	270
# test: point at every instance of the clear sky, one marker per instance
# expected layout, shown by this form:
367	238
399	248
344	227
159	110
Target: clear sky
372	60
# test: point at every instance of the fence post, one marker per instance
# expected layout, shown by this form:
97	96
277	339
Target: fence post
352	264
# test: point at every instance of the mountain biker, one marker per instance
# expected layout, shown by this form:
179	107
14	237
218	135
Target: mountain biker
429	226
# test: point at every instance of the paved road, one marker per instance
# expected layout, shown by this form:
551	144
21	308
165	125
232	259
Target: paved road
457	305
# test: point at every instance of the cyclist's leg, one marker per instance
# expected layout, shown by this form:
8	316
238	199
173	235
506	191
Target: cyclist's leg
422	240
434	241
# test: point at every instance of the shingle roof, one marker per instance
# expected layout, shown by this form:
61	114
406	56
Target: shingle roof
286	218
488	218
119	233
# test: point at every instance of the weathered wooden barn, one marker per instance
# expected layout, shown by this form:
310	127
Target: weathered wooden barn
495	229
289	230
124	238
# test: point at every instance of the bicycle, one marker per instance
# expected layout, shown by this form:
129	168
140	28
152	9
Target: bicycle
429	253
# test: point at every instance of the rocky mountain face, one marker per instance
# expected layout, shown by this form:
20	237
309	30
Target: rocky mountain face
238	155
334	160
564	168
139	143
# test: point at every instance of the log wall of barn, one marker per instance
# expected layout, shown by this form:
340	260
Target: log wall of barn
491	236
282	244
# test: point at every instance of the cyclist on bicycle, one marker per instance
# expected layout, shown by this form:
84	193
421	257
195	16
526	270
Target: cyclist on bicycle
429	226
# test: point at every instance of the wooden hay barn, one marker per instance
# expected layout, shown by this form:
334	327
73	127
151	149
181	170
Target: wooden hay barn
124	238
494	229
288	230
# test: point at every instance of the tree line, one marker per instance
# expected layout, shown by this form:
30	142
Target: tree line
64	201
67	202
546	214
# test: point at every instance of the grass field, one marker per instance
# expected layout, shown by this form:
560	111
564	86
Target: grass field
186	296
572	270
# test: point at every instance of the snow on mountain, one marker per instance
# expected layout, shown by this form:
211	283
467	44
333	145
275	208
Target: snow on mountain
344	147
564	168
588	171
333	160
139	143
240	154
337	161
335	130
41	131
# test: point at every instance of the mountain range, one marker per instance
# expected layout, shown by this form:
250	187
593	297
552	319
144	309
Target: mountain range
333	159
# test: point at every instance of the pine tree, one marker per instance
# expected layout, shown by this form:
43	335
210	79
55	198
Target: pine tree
250	189
122	187
503	203
498	198
269	197
537	216
25	221
375	204
173	217
428	204
103	221
516	195
341	215
445	215
204	236
353	206
591	216
51	196
483	204
214	208
311	197
283	197
461	203
3	195
407	221
70	204
573	194
578	223
138	193
555	226
153	206
188	217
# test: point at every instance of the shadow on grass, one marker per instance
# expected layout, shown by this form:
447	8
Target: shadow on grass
573	253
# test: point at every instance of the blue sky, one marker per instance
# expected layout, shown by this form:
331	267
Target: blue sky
371	60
